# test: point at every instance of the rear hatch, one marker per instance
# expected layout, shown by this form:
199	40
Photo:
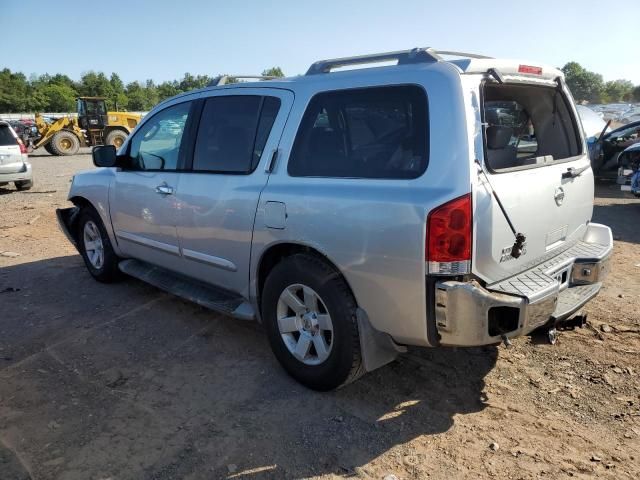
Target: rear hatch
11	160
536	162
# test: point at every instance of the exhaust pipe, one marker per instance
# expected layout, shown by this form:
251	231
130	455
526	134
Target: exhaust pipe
577	321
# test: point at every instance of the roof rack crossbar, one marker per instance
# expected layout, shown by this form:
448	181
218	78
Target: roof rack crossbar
460	54
224	79
416	55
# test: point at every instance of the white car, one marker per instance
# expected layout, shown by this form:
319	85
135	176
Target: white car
14	160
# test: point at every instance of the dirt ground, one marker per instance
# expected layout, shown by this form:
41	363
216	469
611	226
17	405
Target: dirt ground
126	382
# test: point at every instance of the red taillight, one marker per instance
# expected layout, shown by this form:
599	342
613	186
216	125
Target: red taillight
23	149
448	243
530	69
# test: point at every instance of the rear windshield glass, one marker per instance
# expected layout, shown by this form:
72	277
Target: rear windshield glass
528	125
6	138
379	132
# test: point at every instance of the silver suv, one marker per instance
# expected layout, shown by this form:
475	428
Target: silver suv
426	203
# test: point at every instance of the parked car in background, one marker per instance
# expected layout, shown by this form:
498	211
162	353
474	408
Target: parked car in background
356	212
14	159
629	171
593	124
605	152
26	131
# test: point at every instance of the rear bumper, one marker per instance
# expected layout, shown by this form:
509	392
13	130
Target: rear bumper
469	314
22	176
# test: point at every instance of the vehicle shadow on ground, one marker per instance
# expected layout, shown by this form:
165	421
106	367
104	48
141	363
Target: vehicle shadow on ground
623	219
196	394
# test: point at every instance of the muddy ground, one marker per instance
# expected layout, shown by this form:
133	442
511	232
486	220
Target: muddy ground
126	382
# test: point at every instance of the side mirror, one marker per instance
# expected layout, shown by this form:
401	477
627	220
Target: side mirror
104	156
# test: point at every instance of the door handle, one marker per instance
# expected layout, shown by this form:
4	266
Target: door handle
164	189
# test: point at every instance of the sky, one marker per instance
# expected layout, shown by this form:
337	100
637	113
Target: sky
163	39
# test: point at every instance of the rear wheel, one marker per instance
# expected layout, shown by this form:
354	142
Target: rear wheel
65	143
116	138
24	185
310	318
95	247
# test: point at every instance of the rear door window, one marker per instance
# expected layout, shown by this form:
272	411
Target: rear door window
6	137
528	125
232	133
379	132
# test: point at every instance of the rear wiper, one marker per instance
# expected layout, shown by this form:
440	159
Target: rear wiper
574	172
520	238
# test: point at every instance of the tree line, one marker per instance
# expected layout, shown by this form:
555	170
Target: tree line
589	87
57	93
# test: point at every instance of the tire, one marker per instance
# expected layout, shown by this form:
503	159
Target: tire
343	363
24	185
49	150
65	143
90	227
116	138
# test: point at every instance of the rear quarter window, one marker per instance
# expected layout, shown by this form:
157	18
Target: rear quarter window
377	132
6	137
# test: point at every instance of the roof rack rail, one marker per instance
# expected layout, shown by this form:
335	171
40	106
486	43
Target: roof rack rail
403	57
460	54
224	79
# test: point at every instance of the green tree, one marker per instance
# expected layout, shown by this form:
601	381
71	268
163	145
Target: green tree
14	90
584	85
273	72
636	94
618	91
58	98
94	84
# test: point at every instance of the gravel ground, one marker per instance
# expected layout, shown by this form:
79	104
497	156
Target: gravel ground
126	382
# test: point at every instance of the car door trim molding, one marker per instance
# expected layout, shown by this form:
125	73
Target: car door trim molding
147	242
219	262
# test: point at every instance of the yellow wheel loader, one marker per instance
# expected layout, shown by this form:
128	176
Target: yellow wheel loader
94	126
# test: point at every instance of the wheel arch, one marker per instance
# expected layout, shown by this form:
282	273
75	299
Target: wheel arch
81	202
277	252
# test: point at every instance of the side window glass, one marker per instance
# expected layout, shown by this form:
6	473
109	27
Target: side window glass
156	145
378	132
270	108
232	133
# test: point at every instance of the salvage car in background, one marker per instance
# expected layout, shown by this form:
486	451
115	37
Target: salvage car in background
14	164
629	171
605	151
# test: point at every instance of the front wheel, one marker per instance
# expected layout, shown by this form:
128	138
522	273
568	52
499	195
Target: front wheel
24	185
310	317
95	247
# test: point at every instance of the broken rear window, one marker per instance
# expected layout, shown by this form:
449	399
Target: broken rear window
528	125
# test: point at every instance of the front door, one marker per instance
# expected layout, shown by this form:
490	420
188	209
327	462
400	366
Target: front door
238	133
143	199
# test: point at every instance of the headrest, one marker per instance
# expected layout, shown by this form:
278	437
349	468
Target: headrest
498	136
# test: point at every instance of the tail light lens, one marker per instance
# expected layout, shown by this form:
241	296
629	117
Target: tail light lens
448	243
23	149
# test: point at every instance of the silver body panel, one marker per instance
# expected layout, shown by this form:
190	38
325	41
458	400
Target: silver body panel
217	228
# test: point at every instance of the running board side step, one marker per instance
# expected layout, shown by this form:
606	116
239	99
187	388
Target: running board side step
197	292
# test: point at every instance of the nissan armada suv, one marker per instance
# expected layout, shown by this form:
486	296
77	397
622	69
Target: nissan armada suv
355	211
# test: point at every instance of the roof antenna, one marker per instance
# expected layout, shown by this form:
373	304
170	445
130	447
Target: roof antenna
518	245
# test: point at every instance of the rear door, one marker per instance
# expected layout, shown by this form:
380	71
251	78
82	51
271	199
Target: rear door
238	131
10	155
537	163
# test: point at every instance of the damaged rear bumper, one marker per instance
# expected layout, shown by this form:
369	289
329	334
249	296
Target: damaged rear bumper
469	314
67	218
